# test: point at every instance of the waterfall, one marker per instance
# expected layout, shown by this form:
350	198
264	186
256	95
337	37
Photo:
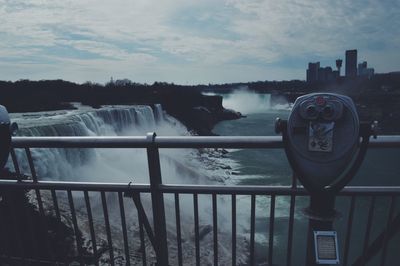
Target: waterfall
104	121
92	164
159	113
249	102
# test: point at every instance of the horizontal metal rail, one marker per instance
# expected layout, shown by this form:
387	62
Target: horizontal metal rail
276	190
190	189
248	142
75	186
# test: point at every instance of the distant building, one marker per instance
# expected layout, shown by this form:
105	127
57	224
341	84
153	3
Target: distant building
370	72
328	74
336	74
339	65
361	67
325	74
321	74
312	72
364	71
351	63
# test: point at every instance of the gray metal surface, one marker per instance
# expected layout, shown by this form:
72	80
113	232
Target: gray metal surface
173	142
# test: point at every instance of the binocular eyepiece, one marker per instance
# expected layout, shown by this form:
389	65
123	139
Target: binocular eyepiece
321	107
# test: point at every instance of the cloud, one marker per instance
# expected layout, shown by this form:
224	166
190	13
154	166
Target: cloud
323	27
162	40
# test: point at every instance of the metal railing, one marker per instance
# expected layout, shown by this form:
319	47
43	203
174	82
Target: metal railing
155	240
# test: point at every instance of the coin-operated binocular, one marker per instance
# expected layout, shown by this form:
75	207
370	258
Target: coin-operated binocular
322	140
325	144
7	129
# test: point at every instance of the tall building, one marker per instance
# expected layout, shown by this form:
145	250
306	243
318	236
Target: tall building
312	72
351	63
339	65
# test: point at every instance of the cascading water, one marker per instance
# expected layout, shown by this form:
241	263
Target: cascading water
249	102
129	165
83	164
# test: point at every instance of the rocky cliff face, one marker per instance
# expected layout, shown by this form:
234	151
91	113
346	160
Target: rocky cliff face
199	112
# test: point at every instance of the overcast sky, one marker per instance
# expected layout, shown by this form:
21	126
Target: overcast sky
192	41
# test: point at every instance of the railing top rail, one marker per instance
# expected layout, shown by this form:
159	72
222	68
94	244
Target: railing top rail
265	142
75	186
191	189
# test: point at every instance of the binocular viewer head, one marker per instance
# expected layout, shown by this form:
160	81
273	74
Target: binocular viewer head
321	138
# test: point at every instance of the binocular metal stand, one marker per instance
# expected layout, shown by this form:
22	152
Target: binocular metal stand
325	145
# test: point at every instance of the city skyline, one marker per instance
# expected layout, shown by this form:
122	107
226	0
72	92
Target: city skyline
353	68
191	42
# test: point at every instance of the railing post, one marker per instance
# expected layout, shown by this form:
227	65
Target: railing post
157	198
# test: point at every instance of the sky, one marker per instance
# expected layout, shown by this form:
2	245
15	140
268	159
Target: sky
192	41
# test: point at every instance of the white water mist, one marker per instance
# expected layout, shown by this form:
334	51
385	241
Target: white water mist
249	102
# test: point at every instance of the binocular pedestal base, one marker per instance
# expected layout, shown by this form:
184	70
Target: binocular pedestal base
321	214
